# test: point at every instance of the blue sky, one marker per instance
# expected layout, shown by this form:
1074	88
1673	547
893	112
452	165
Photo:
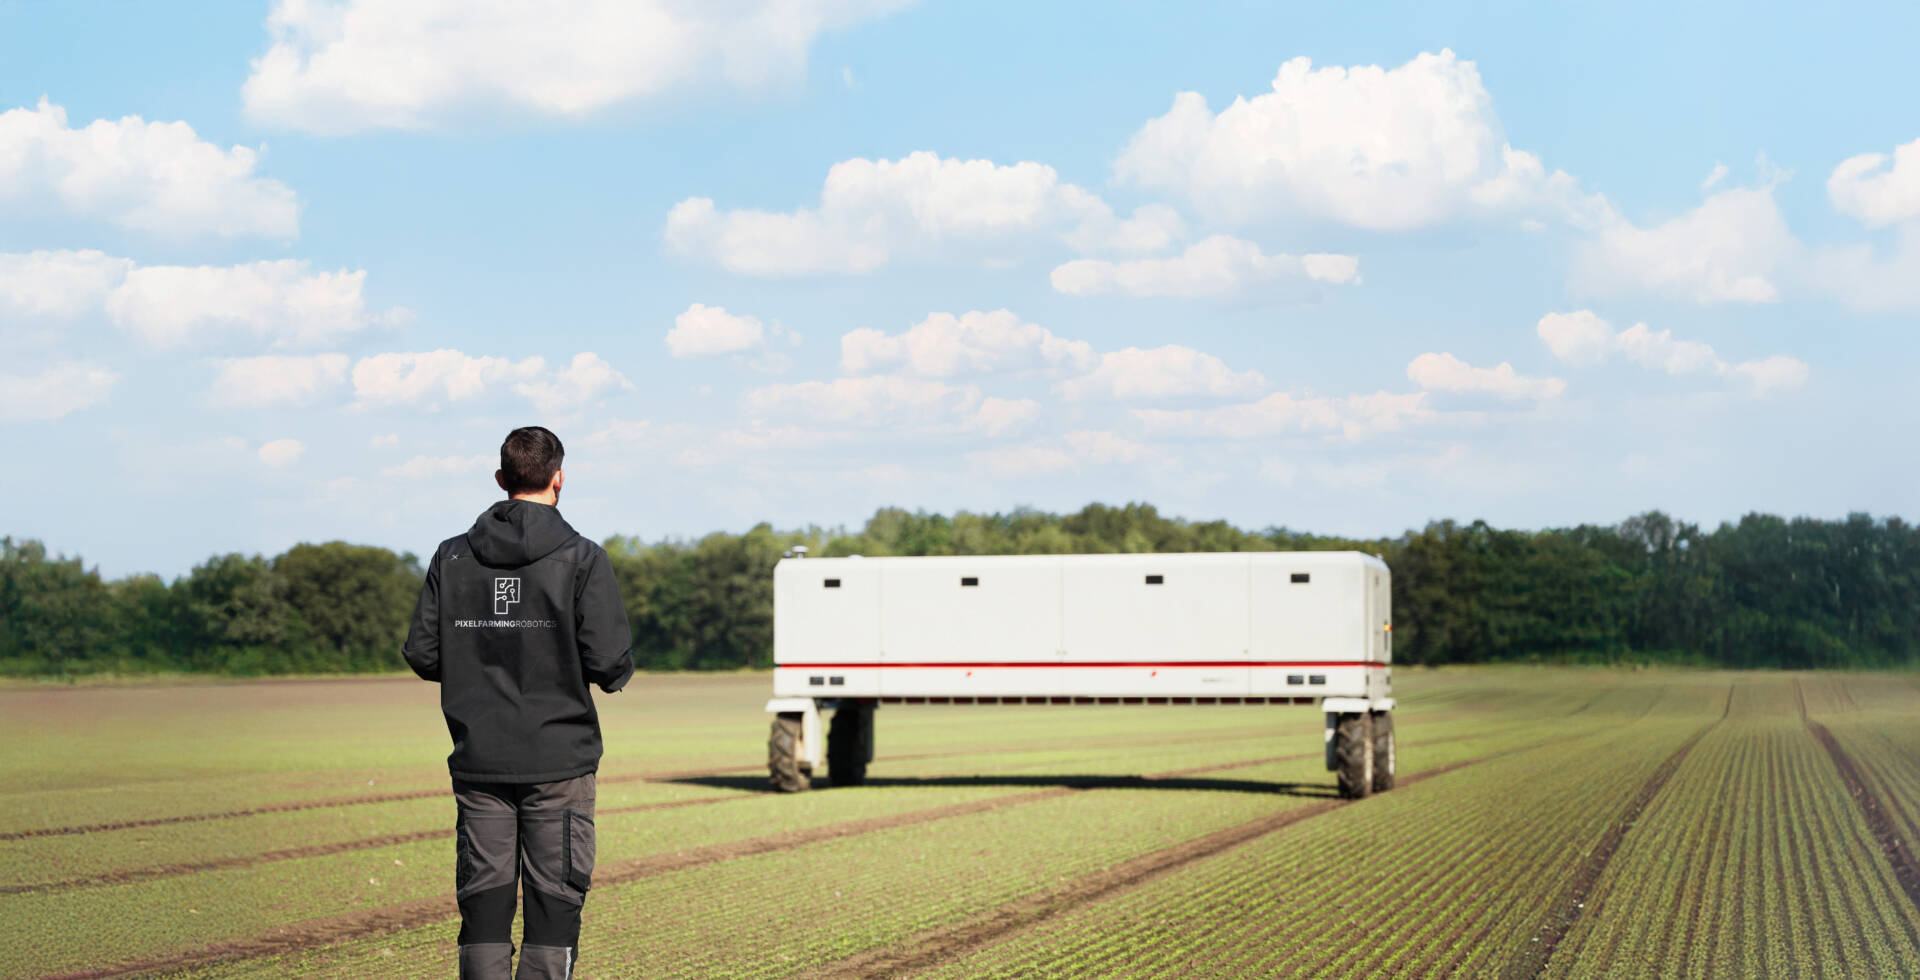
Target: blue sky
273	273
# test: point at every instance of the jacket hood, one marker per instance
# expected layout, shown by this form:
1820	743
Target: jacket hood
513	533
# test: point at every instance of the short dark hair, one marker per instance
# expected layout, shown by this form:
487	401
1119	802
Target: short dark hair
529	458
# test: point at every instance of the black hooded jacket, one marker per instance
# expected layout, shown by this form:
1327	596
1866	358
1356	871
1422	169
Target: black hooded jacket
516	618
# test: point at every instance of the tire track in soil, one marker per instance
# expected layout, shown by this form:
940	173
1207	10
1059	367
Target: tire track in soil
365	923
1426	963
1858	917
1566	907
1438	961
130	875
1906	870
291	806
1841	915
941	944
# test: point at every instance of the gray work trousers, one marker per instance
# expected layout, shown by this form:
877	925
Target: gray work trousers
535	835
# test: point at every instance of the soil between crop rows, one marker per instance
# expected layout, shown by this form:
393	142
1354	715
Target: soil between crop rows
1565	908
1658	875
177	869
658	776
939	945
406	915
415	914
1905	870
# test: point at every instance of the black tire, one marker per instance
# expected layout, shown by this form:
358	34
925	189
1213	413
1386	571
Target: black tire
1353	750
783	755
850	744
1382	751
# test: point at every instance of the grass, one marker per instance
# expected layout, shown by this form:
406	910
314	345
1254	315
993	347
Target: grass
302	829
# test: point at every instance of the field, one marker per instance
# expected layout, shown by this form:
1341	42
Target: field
1548	823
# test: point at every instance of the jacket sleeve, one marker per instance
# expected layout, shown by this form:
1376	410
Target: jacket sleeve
600	623
422	648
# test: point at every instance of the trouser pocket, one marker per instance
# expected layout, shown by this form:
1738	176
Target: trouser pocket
580	847
484	845
462	857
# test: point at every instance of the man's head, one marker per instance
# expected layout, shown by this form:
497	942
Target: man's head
530	465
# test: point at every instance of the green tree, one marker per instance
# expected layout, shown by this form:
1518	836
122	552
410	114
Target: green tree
354	600
235	619
56	615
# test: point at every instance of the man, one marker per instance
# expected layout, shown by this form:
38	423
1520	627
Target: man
516	618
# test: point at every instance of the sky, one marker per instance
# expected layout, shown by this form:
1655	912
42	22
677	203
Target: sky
289	271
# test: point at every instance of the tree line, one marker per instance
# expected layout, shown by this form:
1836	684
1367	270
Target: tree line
1760	592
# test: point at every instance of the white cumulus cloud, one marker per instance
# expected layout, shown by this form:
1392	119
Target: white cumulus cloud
432	376
976	342
1098	446
154	177
58	283
703	331
1731	249
1445	372
1073	451
1171	371
1879	189
574	385
343	65
1580	338
282	452
1220	266
55	392
1768	374
872	211
894	402
1024	460
276	379
1278	414
1372	147
285	302
1583	338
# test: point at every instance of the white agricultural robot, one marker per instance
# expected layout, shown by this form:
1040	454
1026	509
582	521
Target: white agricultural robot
1277	628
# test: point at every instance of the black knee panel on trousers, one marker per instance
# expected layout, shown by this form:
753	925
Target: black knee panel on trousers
486	916
550	920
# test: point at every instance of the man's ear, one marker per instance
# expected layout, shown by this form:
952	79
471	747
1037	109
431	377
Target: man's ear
559	477
500	477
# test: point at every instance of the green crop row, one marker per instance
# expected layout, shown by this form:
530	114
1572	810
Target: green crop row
772	914
1369	890
914	736
158	915
1757	863
1751	860
1175	755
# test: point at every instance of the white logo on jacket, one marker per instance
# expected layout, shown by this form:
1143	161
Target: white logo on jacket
506	592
